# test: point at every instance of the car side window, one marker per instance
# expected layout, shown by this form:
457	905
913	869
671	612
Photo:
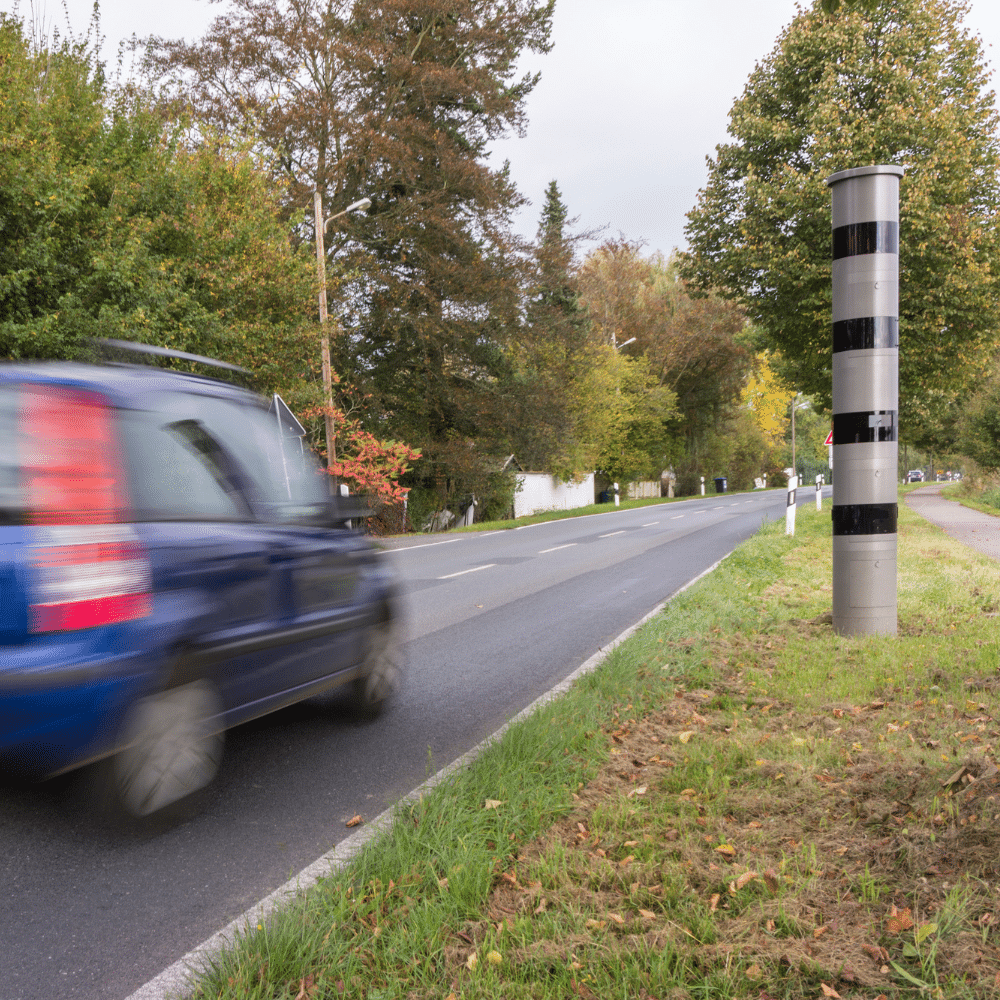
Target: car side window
178	471
283	484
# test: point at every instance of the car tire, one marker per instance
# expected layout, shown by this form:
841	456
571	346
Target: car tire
382	673
172	745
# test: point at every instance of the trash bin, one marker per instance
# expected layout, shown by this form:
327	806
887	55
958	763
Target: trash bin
720	484
606	496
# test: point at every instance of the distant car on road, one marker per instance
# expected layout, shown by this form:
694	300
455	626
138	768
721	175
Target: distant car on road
915	476
171	565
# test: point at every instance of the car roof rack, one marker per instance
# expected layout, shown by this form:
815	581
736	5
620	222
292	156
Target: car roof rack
165	352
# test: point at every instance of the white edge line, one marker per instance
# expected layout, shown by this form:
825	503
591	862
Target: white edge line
177	980
611	534
462	572
676	517
426	545
651	523
556	548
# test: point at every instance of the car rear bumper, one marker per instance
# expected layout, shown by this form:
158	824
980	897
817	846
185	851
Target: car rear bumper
54	718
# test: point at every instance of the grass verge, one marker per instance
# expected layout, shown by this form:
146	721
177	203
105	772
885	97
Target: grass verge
736	804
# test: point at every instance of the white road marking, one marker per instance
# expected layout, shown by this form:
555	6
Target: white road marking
611	534
651	523
677	517
556	548
462	572
426	545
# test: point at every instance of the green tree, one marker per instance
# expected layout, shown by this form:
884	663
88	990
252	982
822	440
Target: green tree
550	395
114	227
884	81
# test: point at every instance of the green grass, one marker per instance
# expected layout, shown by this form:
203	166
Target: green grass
737	803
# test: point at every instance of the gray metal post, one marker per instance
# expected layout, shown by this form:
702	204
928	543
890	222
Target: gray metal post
865	397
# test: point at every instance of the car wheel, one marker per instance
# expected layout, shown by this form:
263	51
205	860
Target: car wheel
172	748
382	671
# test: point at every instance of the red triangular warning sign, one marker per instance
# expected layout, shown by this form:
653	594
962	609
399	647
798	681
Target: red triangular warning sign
829	439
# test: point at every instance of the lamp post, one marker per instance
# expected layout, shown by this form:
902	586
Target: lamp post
795	406
331	434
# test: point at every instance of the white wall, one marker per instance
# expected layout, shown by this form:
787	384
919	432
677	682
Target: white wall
646	490
540	491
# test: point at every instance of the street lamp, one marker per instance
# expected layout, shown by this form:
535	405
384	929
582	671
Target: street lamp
796	406
331	436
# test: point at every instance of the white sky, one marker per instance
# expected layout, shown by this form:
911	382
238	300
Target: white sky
633	97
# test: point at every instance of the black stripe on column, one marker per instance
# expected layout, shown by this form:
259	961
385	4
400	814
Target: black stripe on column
864	238
866	427
866	333
865	519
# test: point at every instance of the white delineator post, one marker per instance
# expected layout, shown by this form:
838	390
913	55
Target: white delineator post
616	494
819	492
865	398
793	482
702	485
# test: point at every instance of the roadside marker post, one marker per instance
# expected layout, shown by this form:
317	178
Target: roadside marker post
865	279
819	492
616	494
793	482
702	485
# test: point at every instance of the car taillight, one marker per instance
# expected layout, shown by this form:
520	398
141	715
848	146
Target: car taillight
89	568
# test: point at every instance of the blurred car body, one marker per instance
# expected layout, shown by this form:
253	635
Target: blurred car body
915	476
171	564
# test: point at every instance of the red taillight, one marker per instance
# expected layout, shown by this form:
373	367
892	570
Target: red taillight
89	568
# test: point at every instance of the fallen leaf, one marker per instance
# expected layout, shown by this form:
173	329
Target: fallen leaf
686	735
647	914
820	931
726	850
494	958
641	790
829	991
714	902
472	962
626	861
744	878
771	880
754	971
617	918
494	803
542	903
597	924
770	926
354	821
899	920
307	987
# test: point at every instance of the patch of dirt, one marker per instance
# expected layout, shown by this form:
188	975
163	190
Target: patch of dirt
809	845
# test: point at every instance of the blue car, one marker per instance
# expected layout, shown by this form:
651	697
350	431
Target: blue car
171	564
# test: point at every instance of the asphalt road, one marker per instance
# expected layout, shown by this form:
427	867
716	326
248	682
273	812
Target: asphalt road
493	621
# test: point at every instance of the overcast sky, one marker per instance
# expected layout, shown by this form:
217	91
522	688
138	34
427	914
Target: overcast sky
633	97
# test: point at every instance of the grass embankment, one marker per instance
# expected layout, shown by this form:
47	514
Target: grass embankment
736	804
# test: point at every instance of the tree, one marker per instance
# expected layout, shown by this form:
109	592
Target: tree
884	81
396	100
114	227
553	418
